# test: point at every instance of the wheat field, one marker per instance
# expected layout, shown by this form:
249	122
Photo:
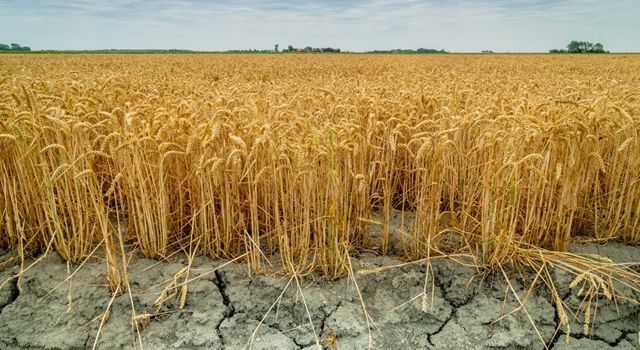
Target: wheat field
301	155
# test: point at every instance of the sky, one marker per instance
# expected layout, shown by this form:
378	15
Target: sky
353	25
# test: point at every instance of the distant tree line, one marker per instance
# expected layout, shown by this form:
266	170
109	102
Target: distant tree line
144	50
581	47
290	48
245	51
420	50
14	47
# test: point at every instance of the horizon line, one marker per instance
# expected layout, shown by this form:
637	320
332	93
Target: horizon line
267	51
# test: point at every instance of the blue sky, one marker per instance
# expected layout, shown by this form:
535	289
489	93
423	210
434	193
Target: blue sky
357	25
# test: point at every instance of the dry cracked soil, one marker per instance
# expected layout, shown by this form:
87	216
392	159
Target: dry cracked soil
231	309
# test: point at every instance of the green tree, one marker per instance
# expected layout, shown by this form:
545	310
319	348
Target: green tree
5	47
573	47
585	47
276	48
15	46
598	47
291	48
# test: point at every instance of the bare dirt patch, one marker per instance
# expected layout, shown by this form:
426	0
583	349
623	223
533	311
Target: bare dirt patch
231	309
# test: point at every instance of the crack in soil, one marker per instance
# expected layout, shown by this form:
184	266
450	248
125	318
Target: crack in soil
229	309
623	336
222	287
454	314
324	319
320	334
298	345
560	333
14	292
595	337
454	306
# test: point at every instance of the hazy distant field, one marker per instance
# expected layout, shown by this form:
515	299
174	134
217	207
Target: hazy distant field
298	154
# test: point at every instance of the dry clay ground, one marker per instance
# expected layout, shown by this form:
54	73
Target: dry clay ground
224	308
